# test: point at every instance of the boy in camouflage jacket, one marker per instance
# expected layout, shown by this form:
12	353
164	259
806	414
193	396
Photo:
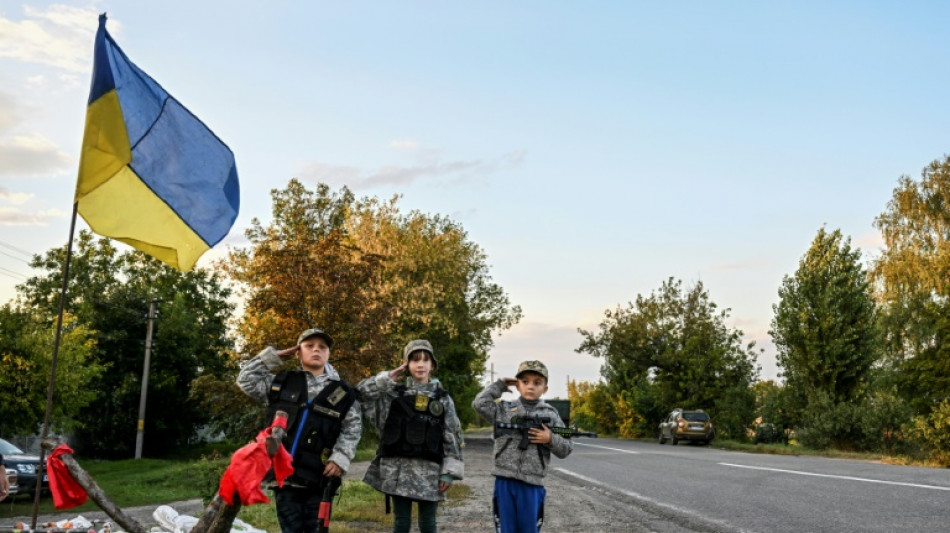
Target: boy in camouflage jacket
420	437
518	502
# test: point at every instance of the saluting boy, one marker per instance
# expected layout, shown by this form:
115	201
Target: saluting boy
518	502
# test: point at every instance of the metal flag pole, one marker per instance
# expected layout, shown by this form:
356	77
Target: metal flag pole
52	369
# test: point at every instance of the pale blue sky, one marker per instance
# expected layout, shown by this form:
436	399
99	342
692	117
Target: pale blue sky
593	149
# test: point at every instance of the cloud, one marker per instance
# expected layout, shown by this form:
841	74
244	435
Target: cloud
14	197
12	216
31	155
9	115
432	166
58	36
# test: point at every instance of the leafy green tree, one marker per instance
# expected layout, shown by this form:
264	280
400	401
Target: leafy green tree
673	349
374	278
825	331
26	344
109	294
912	279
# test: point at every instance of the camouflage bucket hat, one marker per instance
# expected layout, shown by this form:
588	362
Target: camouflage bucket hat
419	344
532	366
314	332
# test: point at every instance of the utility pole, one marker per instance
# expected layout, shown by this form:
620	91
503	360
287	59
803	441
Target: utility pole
140	433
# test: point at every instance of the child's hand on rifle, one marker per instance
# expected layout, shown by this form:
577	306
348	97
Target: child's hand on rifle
287	352
332	470
539	436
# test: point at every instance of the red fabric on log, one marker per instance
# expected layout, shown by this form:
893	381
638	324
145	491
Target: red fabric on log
67	492
248	467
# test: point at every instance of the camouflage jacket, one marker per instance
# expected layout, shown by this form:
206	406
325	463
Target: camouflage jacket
404	476
528	465
255	380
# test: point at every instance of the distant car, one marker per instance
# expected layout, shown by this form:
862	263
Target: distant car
26	467
12	481
687	425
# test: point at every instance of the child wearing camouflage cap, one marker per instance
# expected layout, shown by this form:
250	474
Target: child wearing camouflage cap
518	502
420	437
324	424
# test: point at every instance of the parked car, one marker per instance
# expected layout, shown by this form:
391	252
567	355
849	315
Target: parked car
687	425
12	481
26	467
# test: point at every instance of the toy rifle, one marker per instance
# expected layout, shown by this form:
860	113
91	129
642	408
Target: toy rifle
522	424
326	503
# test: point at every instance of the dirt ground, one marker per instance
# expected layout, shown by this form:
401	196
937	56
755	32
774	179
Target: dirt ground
570	507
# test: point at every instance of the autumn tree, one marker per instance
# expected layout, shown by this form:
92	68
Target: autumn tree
912	279
673	349
109	294
374	278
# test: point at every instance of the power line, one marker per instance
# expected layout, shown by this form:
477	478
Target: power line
11	273
15	249
11	256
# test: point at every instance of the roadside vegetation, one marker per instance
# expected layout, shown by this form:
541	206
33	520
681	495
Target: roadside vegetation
863	340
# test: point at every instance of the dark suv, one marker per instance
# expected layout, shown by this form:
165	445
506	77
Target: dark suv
25	465
687	425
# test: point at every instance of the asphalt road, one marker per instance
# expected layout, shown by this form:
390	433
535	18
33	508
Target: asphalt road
703	489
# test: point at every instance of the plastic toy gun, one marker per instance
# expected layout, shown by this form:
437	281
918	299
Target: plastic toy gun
326	504
523	424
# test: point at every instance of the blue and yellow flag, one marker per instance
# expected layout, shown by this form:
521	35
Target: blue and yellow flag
150	173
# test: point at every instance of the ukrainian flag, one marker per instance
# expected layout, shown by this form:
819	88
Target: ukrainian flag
150	173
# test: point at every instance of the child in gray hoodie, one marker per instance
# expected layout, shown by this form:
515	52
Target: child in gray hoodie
518	502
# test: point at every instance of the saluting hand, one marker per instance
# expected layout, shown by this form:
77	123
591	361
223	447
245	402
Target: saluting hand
287	352
510	382
397	373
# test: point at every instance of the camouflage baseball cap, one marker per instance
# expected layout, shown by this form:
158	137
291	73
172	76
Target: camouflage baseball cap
532	366
314	332
419	344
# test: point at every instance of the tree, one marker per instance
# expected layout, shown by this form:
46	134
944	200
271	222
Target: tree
374	278
824	327
913	284
673	349
26	343
109	293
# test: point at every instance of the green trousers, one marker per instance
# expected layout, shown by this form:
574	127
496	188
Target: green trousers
402	515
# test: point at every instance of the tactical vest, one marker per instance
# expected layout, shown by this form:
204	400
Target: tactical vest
312	427
415	426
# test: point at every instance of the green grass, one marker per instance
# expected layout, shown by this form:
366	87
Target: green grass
131	482
796	449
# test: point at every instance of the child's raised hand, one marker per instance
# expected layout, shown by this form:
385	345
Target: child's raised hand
539	436
398	372
287	352
510	382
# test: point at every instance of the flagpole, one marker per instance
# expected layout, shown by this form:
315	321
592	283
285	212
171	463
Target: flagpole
52	371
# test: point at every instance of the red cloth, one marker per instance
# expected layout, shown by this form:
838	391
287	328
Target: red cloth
67	492
248	467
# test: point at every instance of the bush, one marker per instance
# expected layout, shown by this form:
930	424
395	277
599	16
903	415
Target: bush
769	433
932	433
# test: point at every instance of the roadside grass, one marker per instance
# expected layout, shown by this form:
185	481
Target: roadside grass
135	482
794	448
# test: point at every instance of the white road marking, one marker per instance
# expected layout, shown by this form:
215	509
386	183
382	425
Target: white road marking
850	478
678	510
605	447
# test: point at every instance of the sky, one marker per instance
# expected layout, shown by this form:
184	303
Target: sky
591	149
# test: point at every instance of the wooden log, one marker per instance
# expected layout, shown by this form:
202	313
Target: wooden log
88	484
